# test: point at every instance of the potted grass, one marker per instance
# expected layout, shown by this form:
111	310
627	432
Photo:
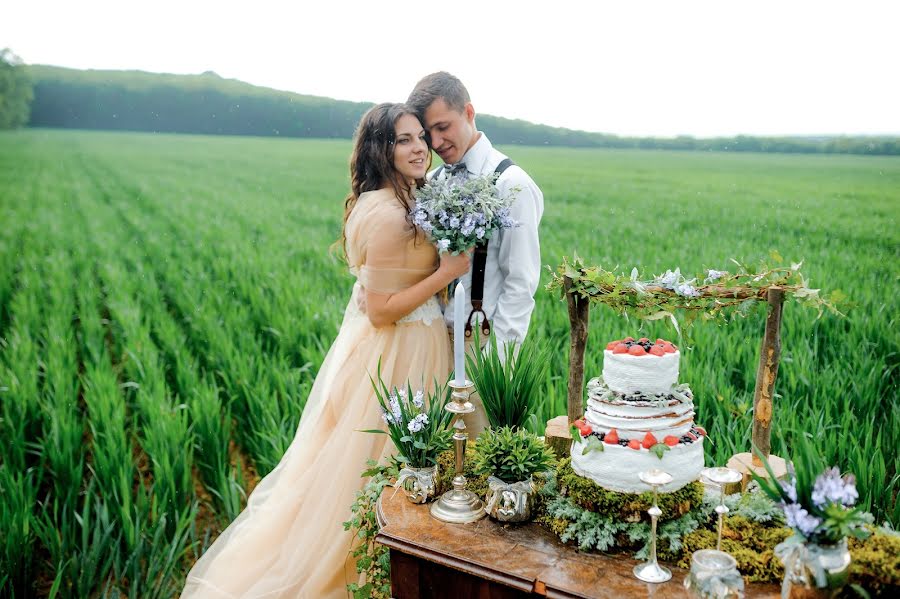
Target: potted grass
507	379
419	426
511	457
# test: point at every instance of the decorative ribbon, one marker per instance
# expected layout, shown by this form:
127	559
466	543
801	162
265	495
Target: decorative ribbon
423	477
498	487
719	585
799	558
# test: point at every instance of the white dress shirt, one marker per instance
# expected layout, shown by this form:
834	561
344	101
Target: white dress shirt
513	267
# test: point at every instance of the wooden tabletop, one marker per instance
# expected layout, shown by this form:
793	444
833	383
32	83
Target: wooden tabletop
526	557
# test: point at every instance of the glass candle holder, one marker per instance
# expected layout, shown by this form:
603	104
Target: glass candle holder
714	575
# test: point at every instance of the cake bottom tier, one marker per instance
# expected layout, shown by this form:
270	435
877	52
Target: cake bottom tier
616	468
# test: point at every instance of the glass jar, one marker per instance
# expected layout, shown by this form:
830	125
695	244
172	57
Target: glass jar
714	575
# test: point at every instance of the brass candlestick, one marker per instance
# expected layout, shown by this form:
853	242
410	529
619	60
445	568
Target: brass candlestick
459	505
651	571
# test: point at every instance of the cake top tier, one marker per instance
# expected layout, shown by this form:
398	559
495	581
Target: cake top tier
641	366
642	347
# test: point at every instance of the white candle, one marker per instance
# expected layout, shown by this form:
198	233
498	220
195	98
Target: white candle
459	335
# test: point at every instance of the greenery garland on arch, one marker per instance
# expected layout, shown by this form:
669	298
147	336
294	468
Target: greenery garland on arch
712	295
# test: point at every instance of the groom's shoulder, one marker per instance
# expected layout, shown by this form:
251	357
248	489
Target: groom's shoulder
511	175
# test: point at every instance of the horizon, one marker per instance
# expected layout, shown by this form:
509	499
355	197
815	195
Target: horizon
809	136
805	70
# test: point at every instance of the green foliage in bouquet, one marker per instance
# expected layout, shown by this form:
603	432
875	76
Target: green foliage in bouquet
459	213
817	502
511	455
418	424
508	384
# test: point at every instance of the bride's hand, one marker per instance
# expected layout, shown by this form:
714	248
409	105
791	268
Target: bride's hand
456	266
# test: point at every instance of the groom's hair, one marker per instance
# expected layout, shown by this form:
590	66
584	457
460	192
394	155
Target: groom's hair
438	85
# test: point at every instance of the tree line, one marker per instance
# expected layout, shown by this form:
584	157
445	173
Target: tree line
209	104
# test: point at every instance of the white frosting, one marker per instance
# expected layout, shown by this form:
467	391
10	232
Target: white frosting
632	420
616	468
648	374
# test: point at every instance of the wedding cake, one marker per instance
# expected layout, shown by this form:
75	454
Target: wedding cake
638	417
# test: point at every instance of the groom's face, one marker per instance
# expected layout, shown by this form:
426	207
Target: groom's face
452	131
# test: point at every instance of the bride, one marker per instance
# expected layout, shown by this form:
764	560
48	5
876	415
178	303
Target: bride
290	541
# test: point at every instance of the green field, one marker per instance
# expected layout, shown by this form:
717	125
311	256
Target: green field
166	300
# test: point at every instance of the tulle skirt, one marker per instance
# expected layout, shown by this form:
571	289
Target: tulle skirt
290	541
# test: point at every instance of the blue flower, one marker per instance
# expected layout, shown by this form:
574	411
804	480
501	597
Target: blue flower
799	518
831	488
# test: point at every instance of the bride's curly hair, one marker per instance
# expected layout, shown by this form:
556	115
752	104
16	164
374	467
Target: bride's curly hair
372	160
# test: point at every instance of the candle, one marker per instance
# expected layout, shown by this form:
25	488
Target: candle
459	336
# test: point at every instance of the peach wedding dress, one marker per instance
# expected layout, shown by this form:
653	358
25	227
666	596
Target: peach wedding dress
290	541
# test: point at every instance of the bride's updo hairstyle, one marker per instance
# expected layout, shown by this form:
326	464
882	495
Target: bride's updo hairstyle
372	160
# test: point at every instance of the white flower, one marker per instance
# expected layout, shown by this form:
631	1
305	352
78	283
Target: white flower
714	275
419	399
443	245
669	279
418	423
395	407
686	290
401	393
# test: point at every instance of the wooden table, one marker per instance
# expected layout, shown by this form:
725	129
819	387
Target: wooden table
433	559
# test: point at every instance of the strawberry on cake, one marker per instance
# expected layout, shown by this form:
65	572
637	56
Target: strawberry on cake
638	417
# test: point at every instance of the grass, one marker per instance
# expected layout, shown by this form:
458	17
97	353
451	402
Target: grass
165	302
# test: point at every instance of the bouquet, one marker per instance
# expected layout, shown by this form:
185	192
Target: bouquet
459	214
418	424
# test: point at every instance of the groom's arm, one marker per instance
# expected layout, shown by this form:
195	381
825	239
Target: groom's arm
519	258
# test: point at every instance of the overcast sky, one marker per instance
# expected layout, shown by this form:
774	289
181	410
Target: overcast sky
628	67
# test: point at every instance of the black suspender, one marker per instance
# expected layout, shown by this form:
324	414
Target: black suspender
479	262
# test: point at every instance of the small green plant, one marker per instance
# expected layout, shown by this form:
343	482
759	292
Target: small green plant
511	455
507	379
372	559
417	423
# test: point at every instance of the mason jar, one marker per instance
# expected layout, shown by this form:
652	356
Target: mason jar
714	575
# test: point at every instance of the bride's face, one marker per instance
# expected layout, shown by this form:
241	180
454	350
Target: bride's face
410	148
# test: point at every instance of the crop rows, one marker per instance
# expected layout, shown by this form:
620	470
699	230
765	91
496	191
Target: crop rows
165	302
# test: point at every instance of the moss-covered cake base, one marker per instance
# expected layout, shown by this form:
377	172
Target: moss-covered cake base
628	507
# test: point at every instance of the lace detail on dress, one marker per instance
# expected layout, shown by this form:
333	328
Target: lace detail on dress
427	312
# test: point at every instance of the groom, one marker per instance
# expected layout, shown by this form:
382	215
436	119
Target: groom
511	269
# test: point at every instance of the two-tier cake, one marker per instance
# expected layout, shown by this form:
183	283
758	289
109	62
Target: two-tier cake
638	417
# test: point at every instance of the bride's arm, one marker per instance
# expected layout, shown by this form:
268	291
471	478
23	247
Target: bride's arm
385	309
